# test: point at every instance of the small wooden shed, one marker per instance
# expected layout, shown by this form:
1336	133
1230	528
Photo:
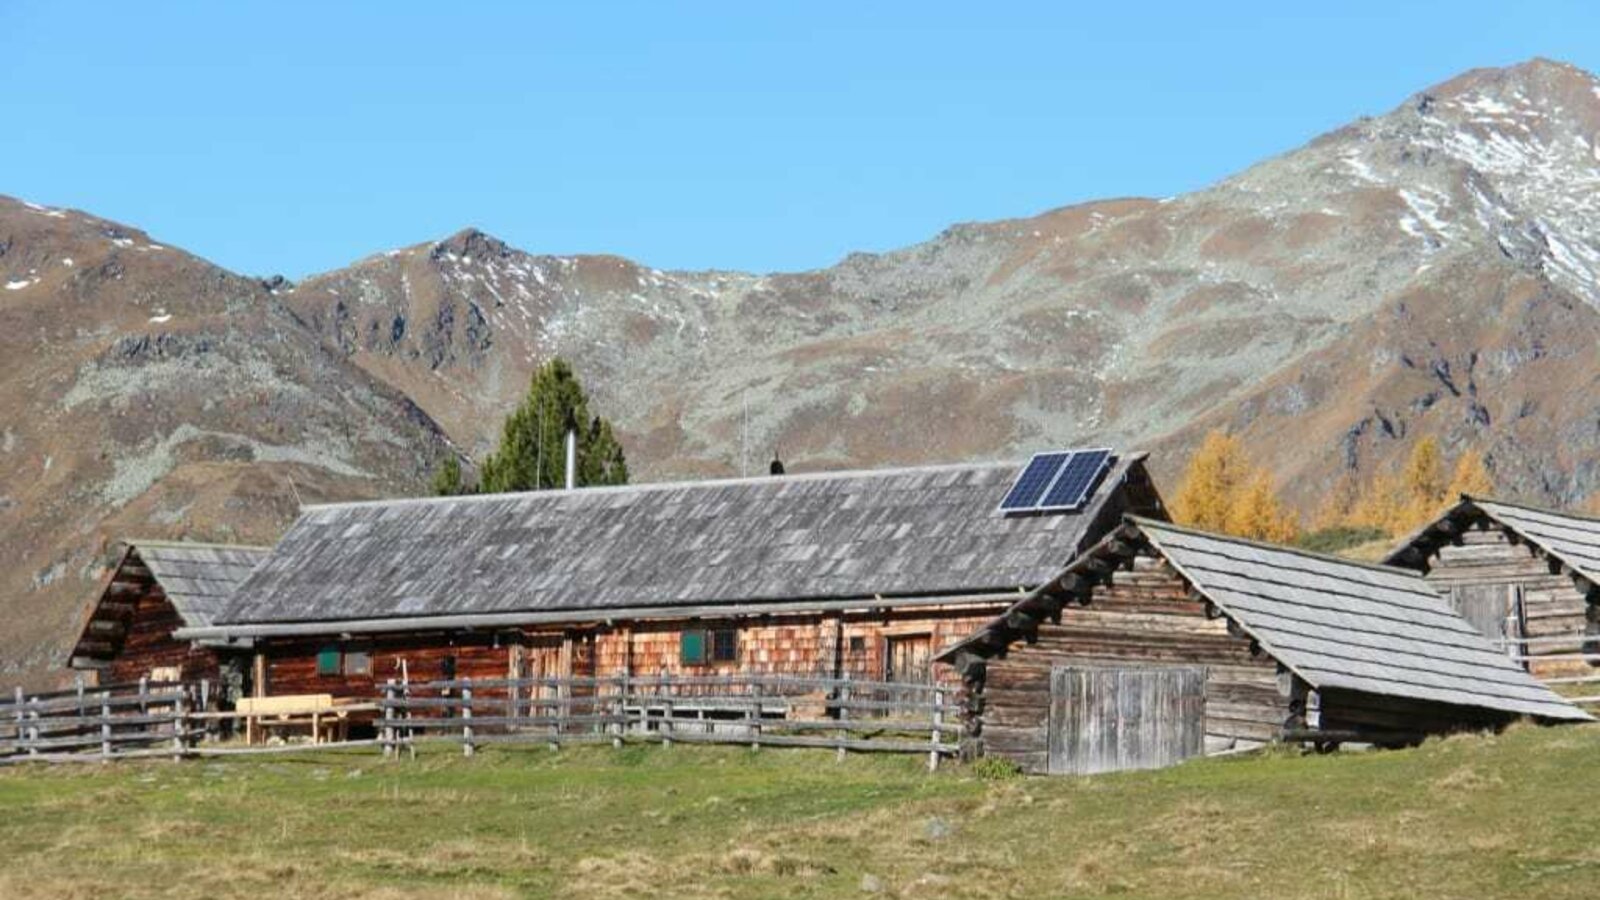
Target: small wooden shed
156	588
1527	578
1162	643
842	574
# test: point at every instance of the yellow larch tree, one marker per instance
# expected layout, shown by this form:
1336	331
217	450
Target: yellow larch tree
1471	476
1212	481
1222	491
1423	480
1256	513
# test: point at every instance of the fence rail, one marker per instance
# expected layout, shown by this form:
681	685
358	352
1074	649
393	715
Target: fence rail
757	711
150	719
117	721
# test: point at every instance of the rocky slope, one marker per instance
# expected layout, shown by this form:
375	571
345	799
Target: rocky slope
1430	271
149	393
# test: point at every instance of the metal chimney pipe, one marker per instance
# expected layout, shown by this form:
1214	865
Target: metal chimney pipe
572	456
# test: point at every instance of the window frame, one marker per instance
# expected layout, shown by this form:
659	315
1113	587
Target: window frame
714	637
364	656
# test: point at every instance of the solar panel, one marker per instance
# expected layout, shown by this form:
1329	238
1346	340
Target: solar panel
1035	479
1076	479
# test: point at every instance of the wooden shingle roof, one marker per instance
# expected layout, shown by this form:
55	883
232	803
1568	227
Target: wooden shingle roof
1342	624
198	579
1572	539
916	532
1335	623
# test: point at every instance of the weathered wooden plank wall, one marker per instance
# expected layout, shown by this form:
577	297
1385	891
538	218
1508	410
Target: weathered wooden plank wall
1143	618
1115	719
1552	604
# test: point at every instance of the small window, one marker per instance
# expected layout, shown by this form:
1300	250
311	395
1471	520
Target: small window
692	648
725	645
328	661
858	644
358	662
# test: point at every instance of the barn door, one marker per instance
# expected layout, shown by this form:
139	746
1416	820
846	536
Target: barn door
1495	610
1105	720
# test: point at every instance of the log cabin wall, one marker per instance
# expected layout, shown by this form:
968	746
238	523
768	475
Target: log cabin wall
292	666
1488	557
1144	618
148	645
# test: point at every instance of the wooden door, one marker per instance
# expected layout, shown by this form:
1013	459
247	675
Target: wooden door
1106	720
908	659
1495	610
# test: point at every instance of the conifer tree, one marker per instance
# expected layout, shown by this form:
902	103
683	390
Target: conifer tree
531	455
1212	483
447	480
1471	476
1256	513
1424	483
1382	505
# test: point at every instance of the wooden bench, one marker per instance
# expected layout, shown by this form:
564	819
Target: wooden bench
326	717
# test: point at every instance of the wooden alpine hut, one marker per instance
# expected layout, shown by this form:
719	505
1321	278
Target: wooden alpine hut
862	574
1527	578
156	588
1161	643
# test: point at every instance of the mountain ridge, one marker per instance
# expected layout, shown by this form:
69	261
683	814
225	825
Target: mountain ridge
1427	271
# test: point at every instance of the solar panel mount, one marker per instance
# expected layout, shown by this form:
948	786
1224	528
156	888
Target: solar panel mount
1056	481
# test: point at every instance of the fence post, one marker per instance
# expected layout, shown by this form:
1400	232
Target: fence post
621	712
466	717
78	683
33	729
144	695
178	725
22	735
755	715
938	720
105	726
667	726
844	715
388	718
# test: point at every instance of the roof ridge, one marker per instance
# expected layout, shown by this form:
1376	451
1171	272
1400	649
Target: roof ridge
199	545
1142	521
1528	507
646	487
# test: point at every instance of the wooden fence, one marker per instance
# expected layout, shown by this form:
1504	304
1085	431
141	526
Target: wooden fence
1555	649
758	711
116	721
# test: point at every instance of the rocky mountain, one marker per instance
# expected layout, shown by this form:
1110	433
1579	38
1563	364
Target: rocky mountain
1432	271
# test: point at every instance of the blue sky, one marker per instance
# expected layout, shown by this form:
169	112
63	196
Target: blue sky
295	137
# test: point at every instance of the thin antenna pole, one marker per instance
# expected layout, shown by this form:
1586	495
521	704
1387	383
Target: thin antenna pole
538	456
744	434
294	490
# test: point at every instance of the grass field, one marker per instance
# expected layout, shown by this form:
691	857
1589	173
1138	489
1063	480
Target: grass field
1513	815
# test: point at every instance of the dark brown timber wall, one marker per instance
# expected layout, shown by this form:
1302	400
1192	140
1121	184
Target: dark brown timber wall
148	645
1144	618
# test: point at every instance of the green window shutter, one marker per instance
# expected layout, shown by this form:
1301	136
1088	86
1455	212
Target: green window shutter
692	648
328	661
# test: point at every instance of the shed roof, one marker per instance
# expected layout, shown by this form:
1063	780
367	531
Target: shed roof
1573	539
912	532
197	579
1338	623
